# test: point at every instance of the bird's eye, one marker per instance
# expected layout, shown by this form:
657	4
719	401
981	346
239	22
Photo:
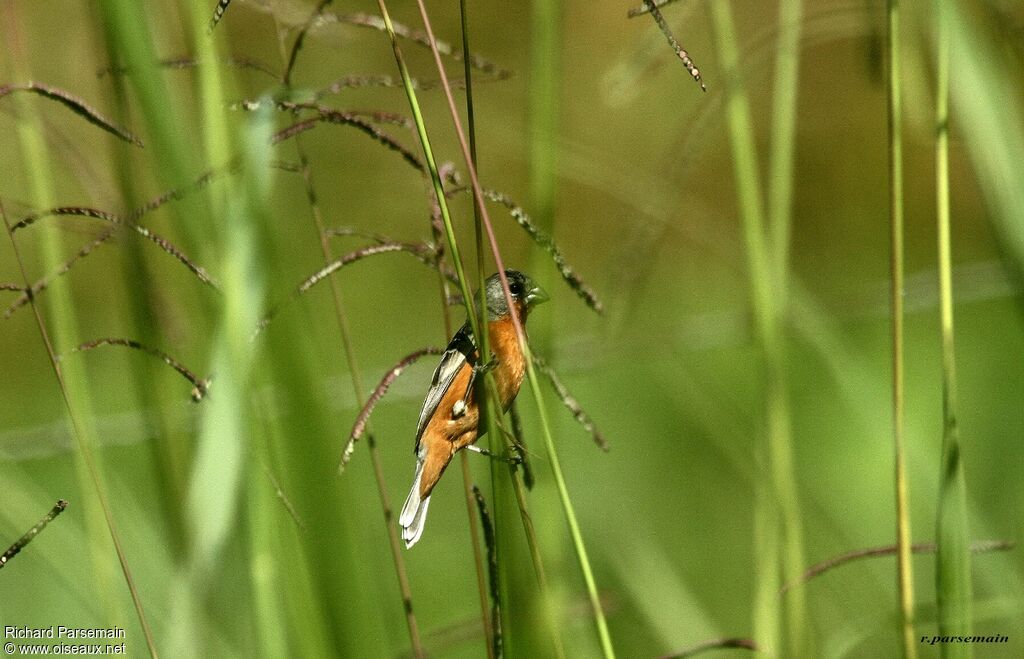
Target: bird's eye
515	288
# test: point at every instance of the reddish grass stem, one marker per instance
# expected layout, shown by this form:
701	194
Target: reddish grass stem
478	198
818	569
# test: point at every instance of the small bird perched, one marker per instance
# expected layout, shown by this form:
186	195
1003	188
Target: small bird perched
449	417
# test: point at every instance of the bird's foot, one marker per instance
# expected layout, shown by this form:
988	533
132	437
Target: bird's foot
513	460
462	405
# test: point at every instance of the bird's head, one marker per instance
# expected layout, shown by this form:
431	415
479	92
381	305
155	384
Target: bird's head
526	294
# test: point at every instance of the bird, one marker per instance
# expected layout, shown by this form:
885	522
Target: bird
449	418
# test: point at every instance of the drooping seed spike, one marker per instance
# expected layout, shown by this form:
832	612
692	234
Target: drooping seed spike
570	402
218	13
199	385
382	388
652	7
30	535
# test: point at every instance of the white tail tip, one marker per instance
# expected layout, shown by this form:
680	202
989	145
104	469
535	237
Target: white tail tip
411	534
414	512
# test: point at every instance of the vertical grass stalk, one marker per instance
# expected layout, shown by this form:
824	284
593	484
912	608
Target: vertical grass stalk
73	385
488	624
543	95
453	248
435	176
348	347
170	457
904	569
85	444
780	207
566	501
518	488
953	561
495	641
449	231
498	443
581	552
499	580
783	139
357	387
777	501
545	32
491	625
604	636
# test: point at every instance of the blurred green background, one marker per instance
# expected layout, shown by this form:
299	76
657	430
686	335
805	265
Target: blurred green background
603	137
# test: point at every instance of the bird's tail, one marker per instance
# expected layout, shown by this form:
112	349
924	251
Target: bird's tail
414	512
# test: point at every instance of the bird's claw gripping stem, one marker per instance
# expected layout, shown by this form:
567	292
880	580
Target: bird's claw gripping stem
462	405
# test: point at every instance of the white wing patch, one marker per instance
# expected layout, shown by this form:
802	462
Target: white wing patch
454	358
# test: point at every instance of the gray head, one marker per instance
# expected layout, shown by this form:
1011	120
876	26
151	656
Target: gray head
525	293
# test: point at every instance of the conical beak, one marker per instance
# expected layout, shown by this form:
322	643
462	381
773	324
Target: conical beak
536	295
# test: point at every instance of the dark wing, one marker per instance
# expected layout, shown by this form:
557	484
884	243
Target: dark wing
461	349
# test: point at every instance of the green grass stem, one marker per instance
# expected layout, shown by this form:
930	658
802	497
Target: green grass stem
478	196
993	132
544	104
453	247
499	580
777	501
532	543
171	457
435	176
130	40
85	444
904	570
62	328
487	617
781	181
783	139
495	636
953	560
357	387
545	90
323	239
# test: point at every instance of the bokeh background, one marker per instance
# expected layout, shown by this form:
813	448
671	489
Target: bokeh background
602	136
